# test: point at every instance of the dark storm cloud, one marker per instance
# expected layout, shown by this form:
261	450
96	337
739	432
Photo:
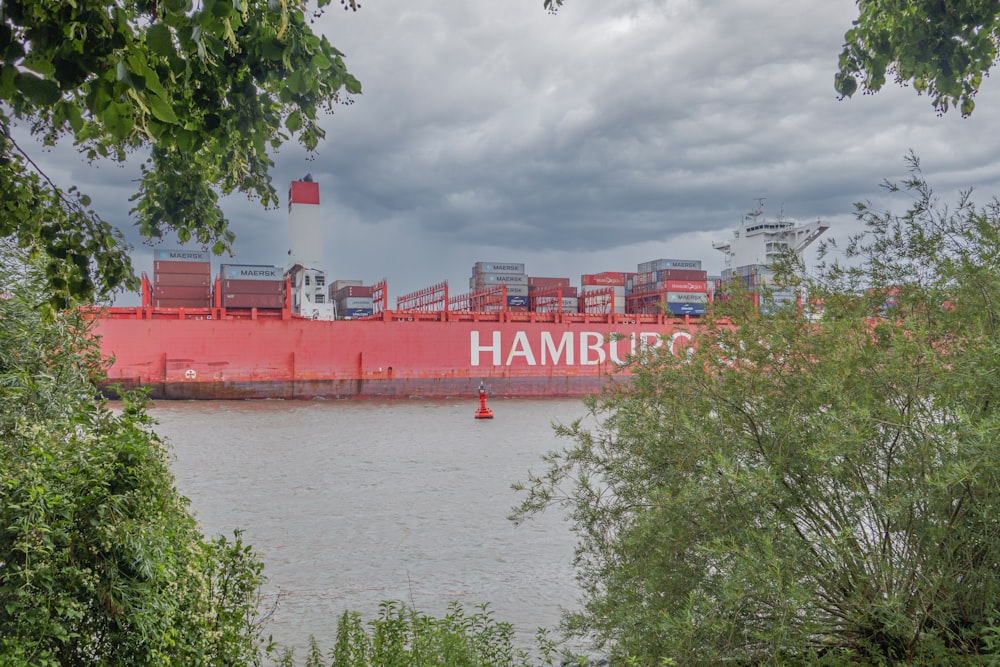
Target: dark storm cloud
615	132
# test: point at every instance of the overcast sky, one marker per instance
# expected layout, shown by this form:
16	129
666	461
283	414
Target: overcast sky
612	133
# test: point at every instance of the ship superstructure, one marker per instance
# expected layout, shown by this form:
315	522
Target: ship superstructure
758	242
307	278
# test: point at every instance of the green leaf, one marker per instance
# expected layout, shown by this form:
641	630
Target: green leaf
162	110
160	40
41	92
352	85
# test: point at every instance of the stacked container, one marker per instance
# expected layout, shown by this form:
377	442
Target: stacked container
487	275
352	299
613	280
543	294
682	282
182	279
252	286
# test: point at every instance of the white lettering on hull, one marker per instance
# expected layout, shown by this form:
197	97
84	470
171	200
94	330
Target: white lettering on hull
586	348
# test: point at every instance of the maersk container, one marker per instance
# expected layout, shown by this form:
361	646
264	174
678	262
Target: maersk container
178	255
687	297
354	303
491	279
498	267
517	290
658	264
686	308
255	272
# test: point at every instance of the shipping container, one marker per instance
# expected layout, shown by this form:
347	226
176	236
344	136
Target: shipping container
190	268
181	303
355	313
253	272
170	292
542	283
354	303
199	256
658	264
353	290
269	301
685	286
517	300
183	280
687	297
338	284
606	279
253	286
546	304
515	290
686	308
498	267
491	279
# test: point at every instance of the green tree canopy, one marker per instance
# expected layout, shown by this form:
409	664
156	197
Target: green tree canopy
204	89
101	562
943	48
802	486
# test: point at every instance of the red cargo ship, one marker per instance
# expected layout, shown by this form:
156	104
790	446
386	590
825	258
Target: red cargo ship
263	332
220	353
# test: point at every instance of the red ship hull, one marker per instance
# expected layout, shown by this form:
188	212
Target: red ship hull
212	354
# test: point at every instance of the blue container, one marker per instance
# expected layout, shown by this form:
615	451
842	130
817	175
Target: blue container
686	308
355	313
517	300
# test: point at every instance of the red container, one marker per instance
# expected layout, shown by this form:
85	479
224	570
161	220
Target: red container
543	283
168	292
181	303
190	268
681	274
182	280
606	279
253	286
353	290
685	286
230	300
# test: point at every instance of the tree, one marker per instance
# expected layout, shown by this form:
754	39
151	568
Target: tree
205	91
806	488
943	48
101	562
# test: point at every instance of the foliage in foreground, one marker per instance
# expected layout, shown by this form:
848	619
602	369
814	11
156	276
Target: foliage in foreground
403	637
101	562
803	491
202	90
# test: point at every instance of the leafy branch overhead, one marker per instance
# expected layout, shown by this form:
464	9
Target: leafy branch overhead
206	89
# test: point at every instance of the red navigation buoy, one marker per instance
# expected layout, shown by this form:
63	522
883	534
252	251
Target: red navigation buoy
483	412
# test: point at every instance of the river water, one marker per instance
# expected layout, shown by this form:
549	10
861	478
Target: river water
350	503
